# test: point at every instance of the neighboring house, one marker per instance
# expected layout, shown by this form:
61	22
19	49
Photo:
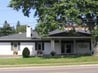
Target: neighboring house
71	41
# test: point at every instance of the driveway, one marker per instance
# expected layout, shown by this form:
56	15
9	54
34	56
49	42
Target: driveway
53	69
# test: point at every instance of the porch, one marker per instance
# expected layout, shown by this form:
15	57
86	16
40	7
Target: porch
71	46
69	42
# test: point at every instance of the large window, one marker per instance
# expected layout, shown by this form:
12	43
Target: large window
39	46
15	46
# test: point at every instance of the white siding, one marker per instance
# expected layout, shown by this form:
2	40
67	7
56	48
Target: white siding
29	45
58	48
96	50
5	48
83	48
47	48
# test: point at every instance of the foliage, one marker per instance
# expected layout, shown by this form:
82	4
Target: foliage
90	19
55	13
95	32
7	29
26	53
20	28
53	53
43	29
18	24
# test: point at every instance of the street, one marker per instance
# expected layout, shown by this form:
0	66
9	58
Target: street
52	69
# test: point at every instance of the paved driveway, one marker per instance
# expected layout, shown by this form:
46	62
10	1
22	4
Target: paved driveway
52	69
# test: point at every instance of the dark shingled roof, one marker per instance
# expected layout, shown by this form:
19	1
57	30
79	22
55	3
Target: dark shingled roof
36	37
20	37
58	32
14	37
35	34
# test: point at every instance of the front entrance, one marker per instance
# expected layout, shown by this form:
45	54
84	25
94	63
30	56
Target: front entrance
66	48
15	48
39	47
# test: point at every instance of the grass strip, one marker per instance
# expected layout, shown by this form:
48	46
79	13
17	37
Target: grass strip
48	61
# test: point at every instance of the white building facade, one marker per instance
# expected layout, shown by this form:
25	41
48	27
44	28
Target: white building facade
60	42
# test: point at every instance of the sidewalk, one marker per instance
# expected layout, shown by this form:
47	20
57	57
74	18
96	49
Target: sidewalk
19	67
40	65
6	56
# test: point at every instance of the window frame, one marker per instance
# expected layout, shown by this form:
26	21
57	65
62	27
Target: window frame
41	46
13	45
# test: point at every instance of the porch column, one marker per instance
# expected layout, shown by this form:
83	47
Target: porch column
95	47
52	45
92	46
60	46
74	46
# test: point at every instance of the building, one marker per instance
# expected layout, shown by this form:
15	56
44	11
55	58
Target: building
70	41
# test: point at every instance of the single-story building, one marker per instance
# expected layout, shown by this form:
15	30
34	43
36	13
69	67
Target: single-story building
62	42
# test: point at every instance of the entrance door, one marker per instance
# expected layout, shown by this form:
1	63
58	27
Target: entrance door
66	48
15	48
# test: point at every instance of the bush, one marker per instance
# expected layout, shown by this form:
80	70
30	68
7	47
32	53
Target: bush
39	52
26	53
53	53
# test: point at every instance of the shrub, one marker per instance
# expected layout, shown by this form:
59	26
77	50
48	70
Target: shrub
53	53
26	53
39	52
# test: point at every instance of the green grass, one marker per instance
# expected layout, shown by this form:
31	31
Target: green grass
37	61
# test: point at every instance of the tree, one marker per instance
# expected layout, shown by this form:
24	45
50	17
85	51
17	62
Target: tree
6	24
7	29
18	24
95	32
56	12
1	34
20	28
43	29
89	19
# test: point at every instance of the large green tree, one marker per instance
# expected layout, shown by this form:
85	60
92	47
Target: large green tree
6	29
54	13
20	28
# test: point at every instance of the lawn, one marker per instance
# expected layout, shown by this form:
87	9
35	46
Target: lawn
39	61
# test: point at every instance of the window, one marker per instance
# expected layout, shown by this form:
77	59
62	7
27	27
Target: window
15	45
39	46
68	50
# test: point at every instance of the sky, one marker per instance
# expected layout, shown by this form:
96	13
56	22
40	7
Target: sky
12	16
